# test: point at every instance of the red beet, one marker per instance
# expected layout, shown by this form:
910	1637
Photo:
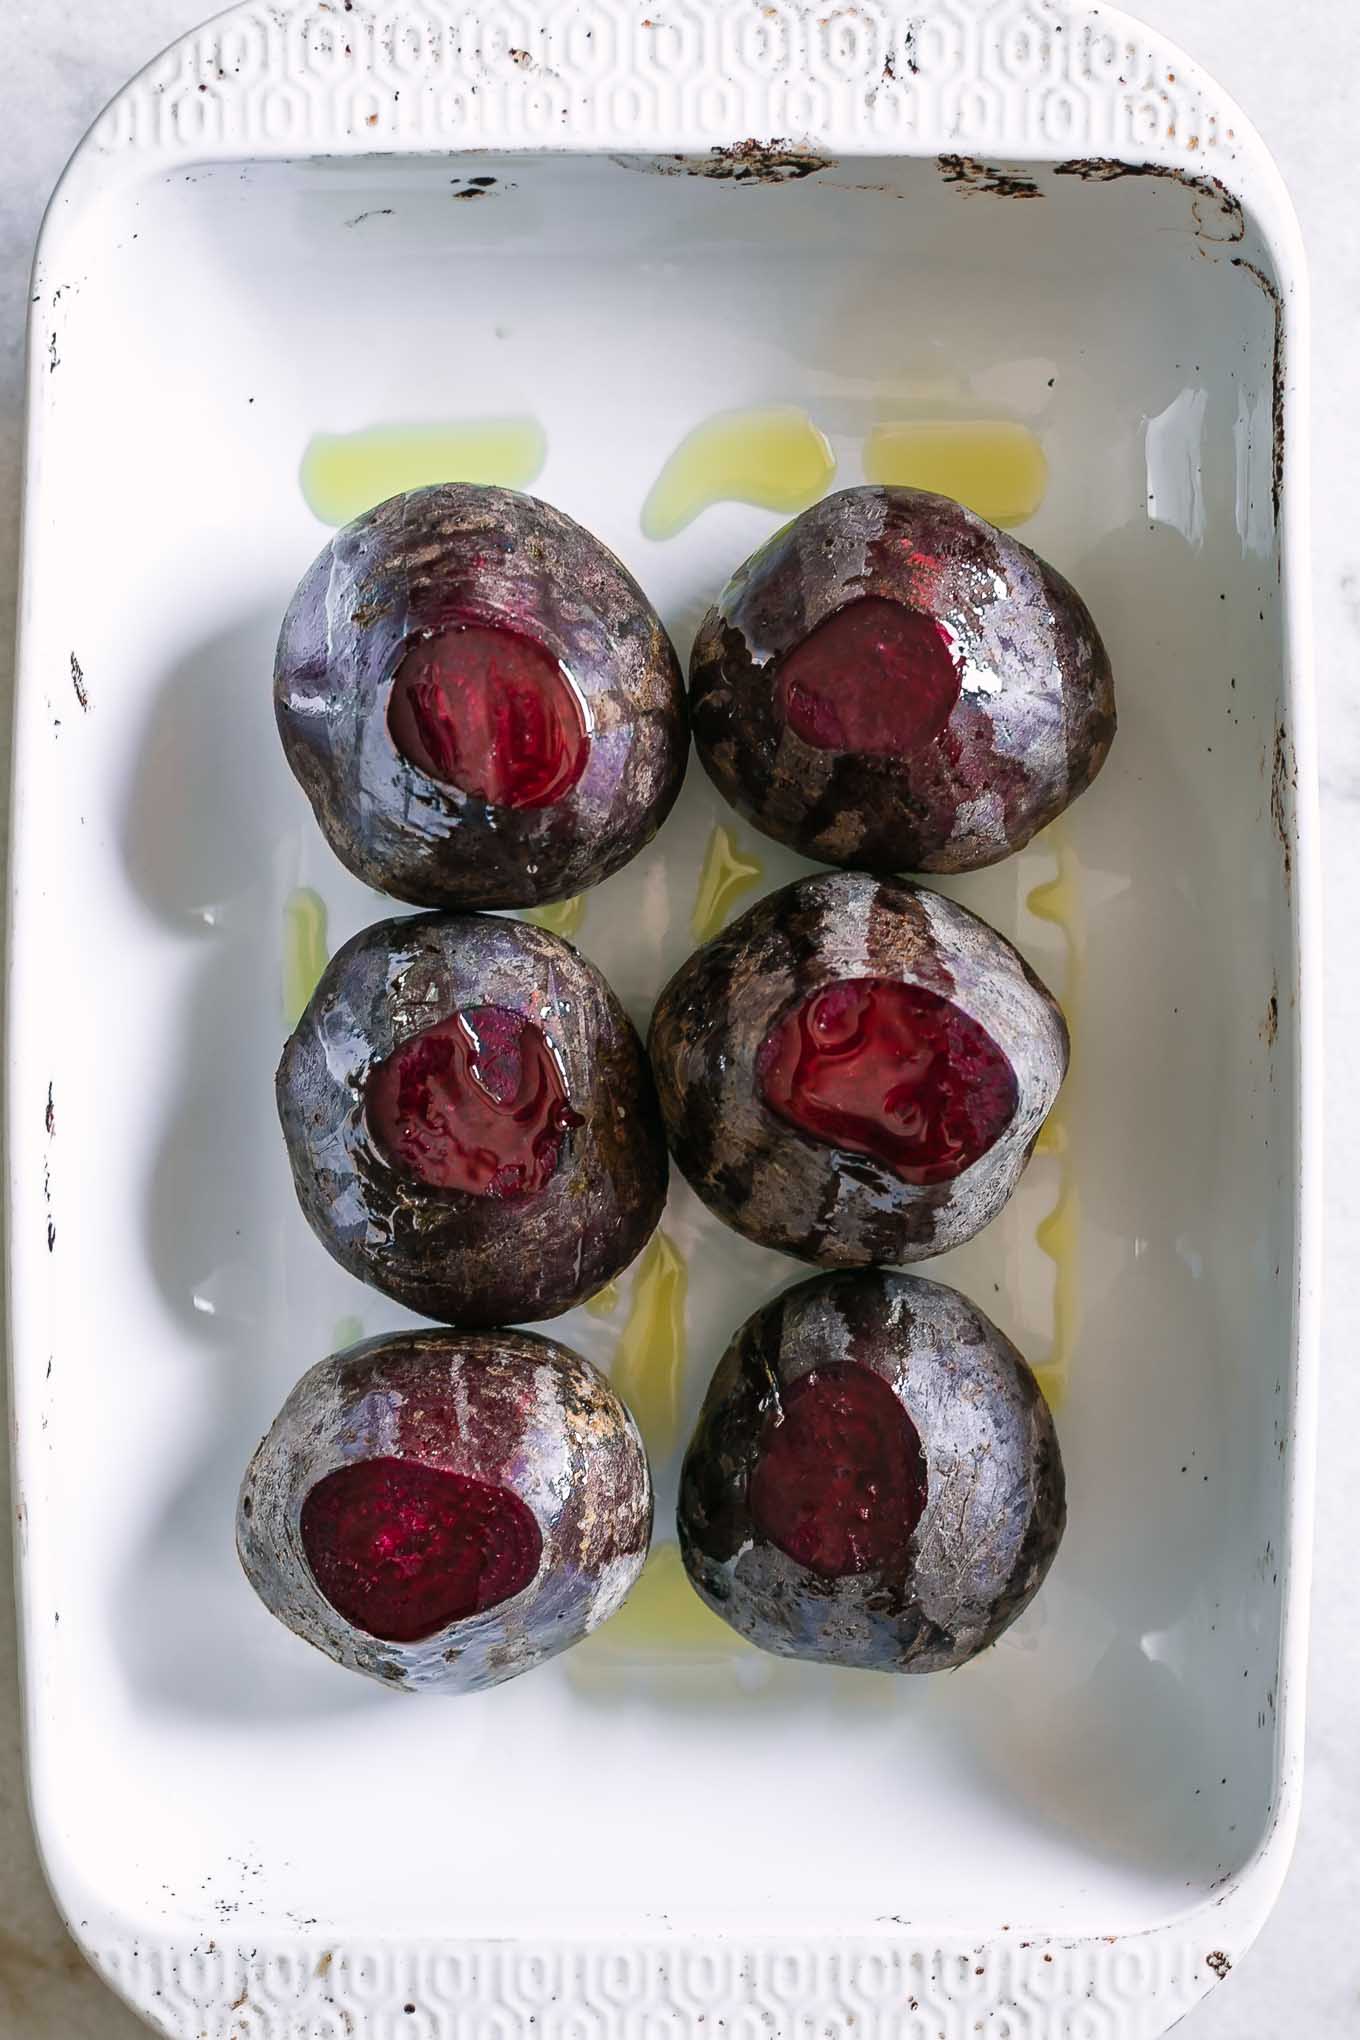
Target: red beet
874	1479
856	1070
471	1120
479	701
444	1509
893	684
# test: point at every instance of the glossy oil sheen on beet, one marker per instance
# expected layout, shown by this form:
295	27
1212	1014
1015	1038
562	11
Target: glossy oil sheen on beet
890	1070
479	701
475	1103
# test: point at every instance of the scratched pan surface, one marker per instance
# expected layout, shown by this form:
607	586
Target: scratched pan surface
262	243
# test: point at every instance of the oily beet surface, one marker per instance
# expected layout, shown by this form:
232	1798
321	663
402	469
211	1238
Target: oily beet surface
468	1259
1030	730
994	1491
506	1408
774	1183
467	554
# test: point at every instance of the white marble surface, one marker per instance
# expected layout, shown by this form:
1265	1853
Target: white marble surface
1296	71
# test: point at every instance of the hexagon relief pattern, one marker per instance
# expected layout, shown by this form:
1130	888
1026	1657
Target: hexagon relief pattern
1119	1990
960	75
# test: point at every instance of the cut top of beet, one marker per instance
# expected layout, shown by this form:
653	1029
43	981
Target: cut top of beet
874	677
491	712
400	1549
891	1070
476	1103
839	1483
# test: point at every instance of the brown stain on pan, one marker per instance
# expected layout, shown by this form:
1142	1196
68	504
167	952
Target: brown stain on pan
1106	169
971	175
1284	778
778	161
908	52
1272	291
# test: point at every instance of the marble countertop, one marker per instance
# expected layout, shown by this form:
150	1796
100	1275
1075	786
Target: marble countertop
1295	71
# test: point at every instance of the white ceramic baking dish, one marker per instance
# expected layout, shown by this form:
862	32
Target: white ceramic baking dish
917	212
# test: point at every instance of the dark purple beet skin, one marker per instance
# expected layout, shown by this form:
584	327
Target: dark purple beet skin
892	683
874	1480
443	1510
471	1119
856	1070
479	701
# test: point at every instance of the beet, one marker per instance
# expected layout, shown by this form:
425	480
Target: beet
856	1070
401	1550
471	1120
892	683
479	701
874	1480
446	1510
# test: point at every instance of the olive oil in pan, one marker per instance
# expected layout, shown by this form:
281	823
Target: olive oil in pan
774	457
649	1360
305	954
563	917
1058	900
992	466
727	874
664	1617
604	1302
344	473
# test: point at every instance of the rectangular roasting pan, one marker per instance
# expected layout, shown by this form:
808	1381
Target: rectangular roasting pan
1030	212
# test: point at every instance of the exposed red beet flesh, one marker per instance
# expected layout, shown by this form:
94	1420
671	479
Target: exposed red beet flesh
840	1482
400	1549
874	677
475	1103
890	1070
490	712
